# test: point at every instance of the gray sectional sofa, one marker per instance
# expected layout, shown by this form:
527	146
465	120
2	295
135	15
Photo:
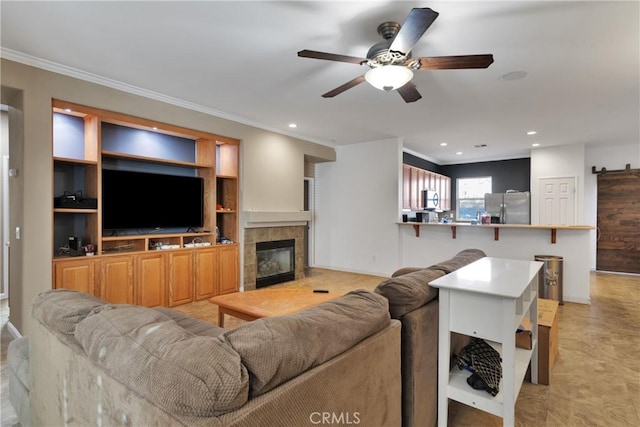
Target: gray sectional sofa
92	363
88	362
415	304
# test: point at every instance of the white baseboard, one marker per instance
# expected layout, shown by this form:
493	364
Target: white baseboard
348	270
617	272
577	300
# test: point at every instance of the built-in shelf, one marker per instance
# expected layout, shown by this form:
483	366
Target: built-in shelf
496	227
115	155
75	161
154	236
77	211
155	267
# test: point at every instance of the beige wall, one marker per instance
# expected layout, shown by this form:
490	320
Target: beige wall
271	178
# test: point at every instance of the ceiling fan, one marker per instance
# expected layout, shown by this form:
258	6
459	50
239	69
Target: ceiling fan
390	60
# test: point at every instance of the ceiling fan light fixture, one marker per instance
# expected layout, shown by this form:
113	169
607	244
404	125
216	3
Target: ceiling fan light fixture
388	77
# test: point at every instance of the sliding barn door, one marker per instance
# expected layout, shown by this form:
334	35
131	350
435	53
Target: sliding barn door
618	247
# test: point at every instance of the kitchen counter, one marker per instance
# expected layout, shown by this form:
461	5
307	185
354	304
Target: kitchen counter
424	244
496	227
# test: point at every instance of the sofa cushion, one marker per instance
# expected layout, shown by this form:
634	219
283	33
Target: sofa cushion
151	354
62	309
191	324
459	260
409	291
277	349
405	270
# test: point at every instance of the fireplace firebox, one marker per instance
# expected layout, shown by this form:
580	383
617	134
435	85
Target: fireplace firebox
275	262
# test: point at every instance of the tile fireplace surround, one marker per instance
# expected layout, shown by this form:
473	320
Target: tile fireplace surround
268	234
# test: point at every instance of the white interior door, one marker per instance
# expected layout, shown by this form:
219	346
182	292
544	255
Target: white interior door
557	201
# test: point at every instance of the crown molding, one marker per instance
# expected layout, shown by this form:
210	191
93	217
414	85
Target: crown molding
420	155
54	67
513	156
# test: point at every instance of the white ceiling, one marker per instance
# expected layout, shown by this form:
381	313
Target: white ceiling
238	60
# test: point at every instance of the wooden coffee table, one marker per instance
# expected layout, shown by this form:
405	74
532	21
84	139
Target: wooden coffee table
252	305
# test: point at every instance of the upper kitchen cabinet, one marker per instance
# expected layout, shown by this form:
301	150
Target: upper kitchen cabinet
416	180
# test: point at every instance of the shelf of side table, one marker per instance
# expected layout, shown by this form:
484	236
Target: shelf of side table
459	390
487	299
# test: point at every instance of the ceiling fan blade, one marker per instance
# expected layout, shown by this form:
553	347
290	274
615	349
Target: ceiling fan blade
409	93
416	24
454	62
331	57
346	86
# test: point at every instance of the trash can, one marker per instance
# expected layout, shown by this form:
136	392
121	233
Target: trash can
550	277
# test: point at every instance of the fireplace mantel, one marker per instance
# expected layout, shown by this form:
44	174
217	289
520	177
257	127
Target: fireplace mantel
256	219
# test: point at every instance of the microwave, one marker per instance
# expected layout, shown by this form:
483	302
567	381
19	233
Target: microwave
430	199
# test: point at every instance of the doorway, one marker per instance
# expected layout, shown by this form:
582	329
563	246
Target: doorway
557	201
4	202
11	206
618	220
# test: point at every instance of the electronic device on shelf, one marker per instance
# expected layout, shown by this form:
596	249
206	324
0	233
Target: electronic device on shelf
75	200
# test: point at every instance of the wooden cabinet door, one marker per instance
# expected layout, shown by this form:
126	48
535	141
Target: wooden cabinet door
415	190
229	269
116	280
406	187
422	179
206	266
77	275
180	277
150	283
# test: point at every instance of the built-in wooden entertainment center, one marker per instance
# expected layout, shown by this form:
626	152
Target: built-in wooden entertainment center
130	267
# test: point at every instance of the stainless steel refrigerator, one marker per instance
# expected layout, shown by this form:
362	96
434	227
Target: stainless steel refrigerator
508	208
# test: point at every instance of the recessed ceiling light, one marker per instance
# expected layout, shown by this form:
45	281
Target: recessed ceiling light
155	128
531	132
443	144
458	152
293	125
68	110
535	145
514	75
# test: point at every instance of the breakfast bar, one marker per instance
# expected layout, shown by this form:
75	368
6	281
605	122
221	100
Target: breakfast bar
515	241
496	227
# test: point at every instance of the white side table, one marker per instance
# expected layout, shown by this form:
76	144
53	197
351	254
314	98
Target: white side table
487	299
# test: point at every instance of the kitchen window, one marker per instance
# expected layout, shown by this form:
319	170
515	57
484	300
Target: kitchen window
470	196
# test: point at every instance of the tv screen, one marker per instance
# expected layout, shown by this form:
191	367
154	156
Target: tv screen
149	200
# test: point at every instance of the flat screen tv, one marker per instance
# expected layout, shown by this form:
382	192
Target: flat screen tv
140	200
